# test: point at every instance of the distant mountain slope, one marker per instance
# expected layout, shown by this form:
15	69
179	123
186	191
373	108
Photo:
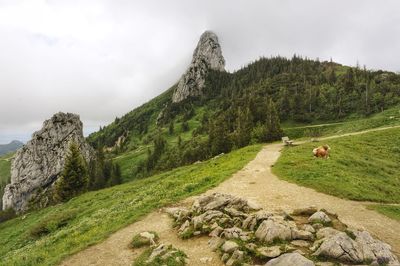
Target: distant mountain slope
246	106
10	147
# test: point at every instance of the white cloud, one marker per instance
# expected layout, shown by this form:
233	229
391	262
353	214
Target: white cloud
102	58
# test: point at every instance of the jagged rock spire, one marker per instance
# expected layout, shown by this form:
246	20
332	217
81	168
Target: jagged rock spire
207	55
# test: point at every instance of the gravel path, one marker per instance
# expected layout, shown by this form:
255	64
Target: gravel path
256	182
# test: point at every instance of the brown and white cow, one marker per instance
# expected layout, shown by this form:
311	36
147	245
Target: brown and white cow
322	151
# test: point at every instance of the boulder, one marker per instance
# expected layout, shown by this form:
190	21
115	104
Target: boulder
236	258
381	251
230	246
307	227
158	251
38	164
341	247
326	232
222	202
178	213
269	252
215	243
235	233
302	234
290	259
305	211
275	229
319	216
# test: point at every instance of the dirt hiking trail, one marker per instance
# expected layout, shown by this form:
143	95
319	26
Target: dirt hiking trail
257	183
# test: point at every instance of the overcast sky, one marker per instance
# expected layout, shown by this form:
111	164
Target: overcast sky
101	59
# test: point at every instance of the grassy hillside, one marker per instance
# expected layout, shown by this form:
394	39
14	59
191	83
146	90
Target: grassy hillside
301	90
361	167
129	159
47	236
5	165
388	210
390	117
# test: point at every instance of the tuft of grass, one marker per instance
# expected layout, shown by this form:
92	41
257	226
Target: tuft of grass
7	214
177	258
100	213
51	223
5	173
391	211
5	165
361	167
187	234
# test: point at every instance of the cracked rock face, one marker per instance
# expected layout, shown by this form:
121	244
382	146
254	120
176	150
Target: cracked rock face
38	164
207	55
363	248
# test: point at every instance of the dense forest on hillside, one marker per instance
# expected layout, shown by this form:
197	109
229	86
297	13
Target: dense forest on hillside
245	107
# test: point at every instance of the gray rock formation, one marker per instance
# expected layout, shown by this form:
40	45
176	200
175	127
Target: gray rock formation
363	248
207	55
38	164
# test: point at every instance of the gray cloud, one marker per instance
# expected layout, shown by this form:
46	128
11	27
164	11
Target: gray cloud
103	58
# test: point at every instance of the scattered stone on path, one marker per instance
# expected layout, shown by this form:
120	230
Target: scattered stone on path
229	246
206	260
243	233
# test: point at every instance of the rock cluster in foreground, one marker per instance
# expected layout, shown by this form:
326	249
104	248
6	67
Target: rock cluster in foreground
38	164
245	234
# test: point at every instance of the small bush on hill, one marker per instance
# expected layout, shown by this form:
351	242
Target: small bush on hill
51	223
7	215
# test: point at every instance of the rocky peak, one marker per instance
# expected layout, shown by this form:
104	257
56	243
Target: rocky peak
38	164
207	55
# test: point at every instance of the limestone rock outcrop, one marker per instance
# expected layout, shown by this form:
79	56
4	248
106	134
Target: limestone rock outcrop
38	164
207	55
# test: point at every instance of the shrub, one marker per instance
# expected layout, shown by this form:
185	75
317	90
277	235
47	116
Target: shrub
7	214
51	223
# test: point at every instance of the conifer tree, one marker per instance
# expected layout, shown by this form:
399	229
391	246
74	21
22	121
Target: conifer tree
273	127
243	127
219	138
74	177
185	126
171	128
97	178
116	177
